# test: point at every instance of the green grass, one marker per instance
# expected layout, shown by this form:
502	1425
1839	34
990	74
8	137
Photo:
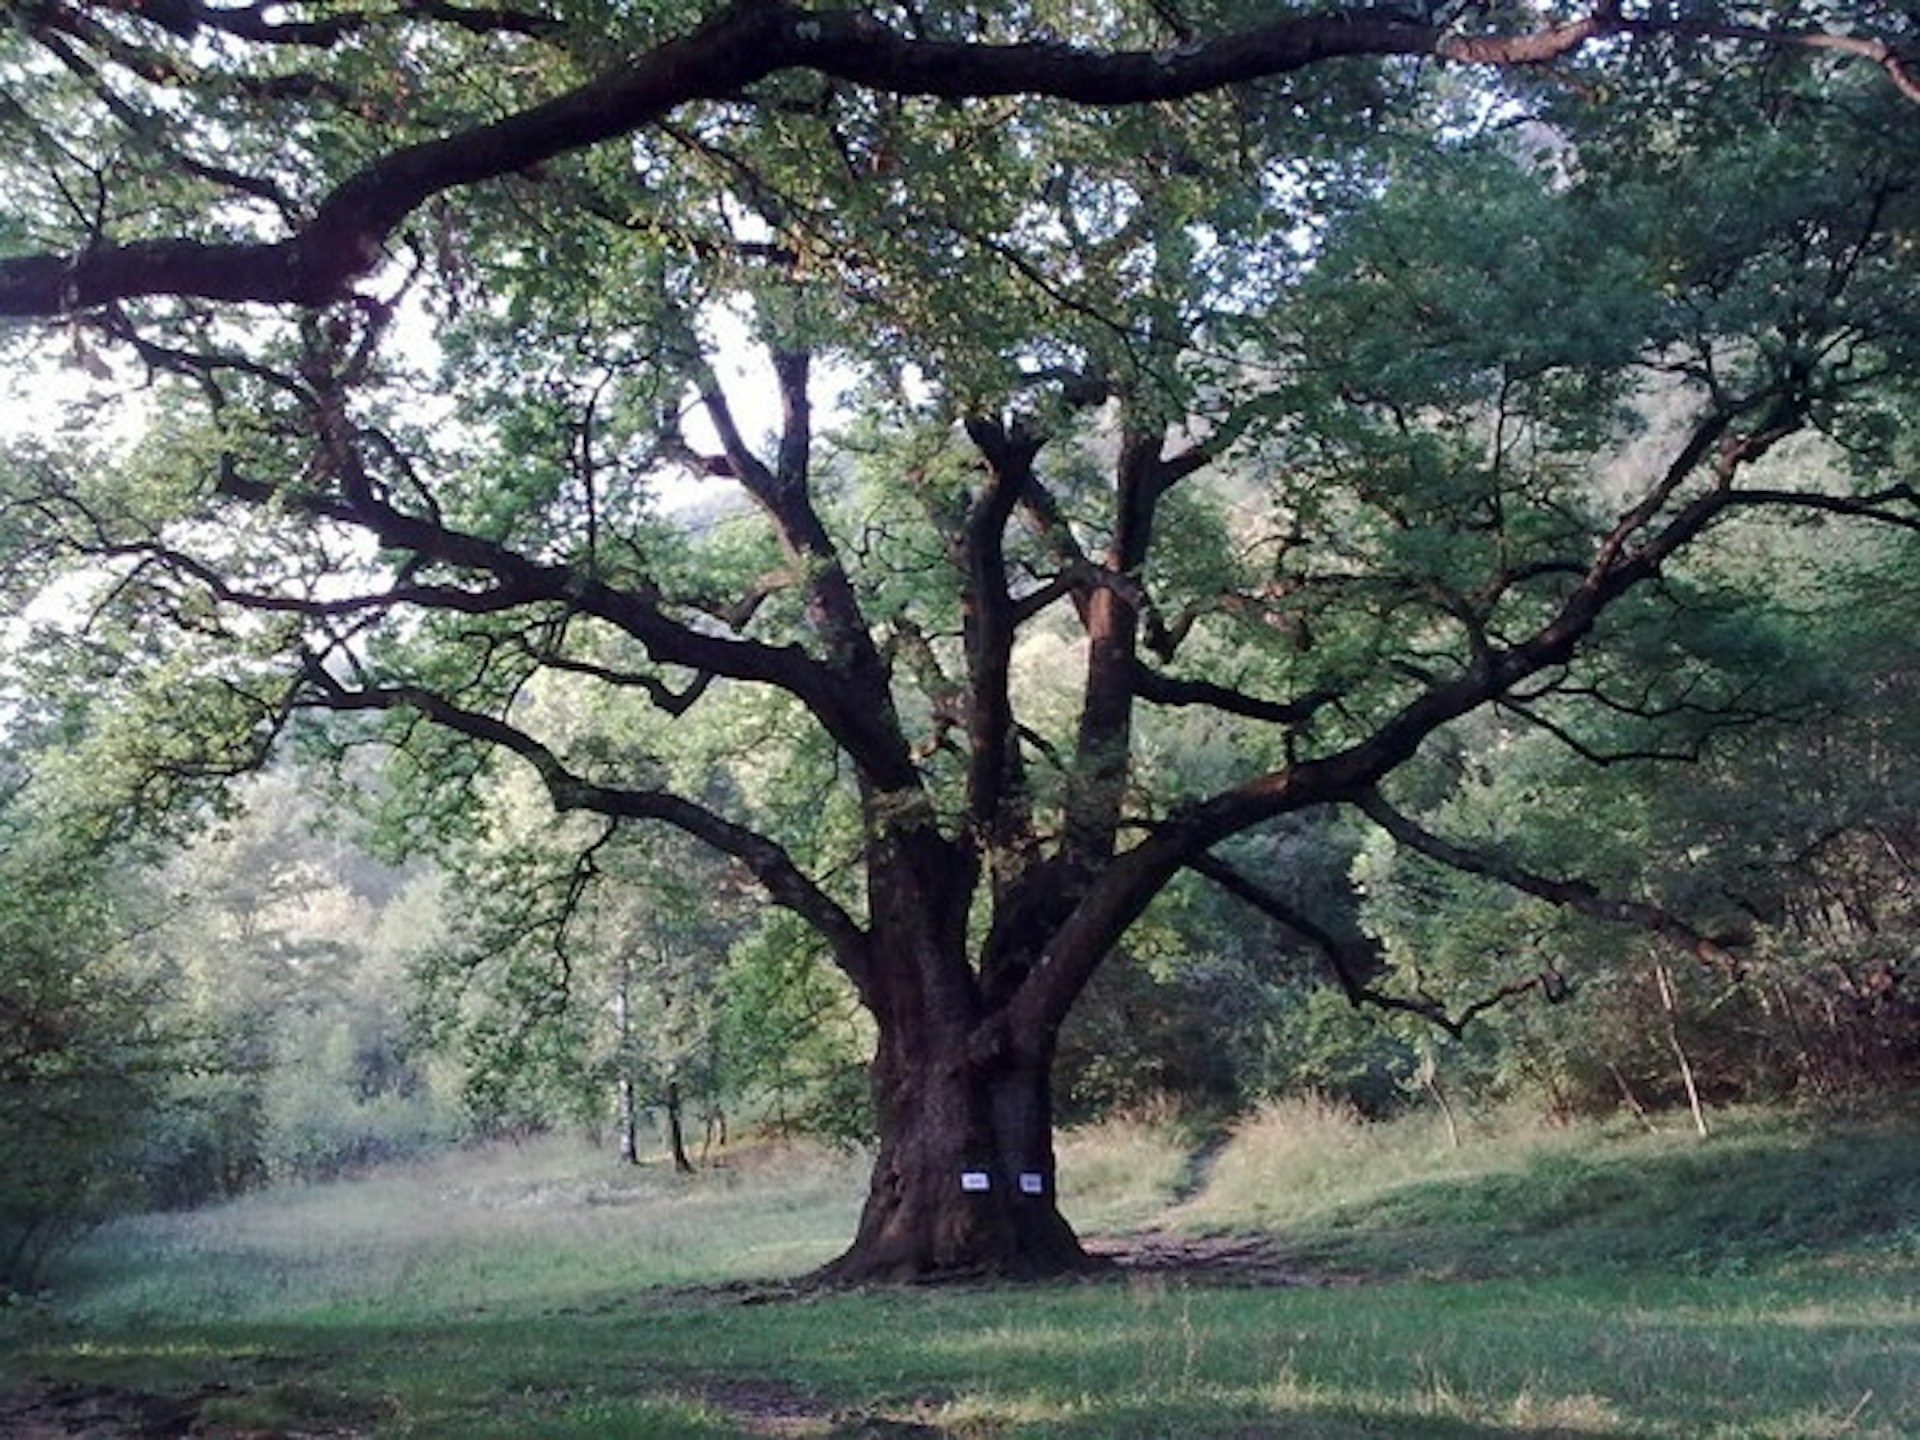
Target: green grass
544	1223
1522	1199
1575	1282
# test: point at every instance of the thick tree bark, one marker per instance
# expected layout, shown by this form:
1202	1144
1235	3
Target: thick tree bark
965	1180
744	43
345	236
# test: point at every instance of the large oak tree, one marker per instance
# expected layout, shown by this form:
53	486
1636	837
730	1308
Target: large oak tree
1166	419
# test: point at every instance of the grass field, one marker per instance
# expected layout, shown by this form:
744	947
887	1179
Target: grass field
1574	1281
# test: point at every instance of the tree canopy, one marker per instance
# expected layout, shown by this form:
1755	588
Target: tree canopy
967	466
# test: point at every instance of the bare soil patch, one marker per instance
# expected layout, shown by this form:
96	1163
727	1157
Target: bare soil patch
93	1412
781	1412
1249	1260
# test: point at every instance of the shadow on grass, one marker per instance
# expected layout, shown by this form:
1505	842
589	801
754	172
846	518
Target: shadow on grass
716	1410
1064	1363
1204	1421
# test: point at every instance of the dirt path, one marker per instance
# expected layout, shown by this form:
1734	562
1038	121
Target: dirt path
1249	1260
782	1412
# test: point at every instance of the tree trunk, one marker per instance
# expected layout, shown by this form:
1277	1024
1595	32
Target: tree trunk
1670	1004
676	1130
629	1118
1430	1078
964	1182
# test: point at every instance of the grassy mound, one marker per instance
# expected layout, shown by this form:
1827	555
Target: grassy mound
1522	1198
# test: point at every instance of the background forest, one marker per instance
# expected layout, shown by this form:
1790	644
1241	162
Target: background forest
264	998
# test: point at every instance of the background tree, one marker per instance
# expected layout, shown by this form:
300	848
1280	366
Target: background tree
189	1006
290	951
85	1061
590	977
1299	408
1785	838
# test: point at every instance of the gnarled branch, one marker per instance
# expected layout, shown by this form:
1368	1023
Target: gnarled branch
1349	969
782	878
1578	895
747	42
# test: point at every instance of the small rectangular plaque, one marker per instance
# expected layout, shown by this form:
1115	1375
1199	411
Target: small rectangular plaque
1032	1182
975	1180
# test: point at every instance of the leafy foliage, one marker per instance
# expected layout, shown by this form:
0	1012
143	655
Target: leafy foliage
86	1052
968	471
590	969
1787	838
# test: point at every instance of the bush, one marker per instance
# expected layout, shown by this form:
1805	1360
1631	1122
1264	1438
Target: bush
321	1119
81	1070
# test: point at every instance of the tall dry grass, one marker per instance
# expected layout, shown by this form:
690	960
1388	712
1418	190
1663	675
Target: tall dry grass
552	1217
1292	1158
1124	1171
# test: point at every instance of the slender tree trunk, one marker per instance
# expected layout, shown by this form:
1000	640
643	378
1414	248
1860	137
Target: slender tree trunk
629	1121
1626	1093
1669	1003
1811	1070
1430	1078
629	1117
676	1129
